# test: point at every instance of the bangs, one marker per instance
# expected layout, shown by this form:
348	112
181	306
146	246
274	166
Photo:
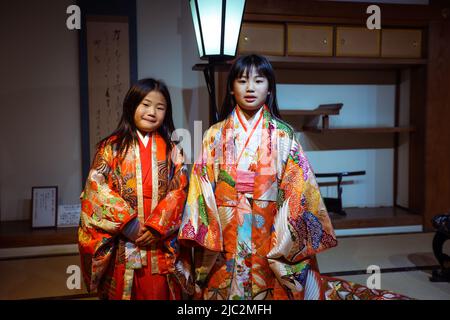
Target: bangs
260	65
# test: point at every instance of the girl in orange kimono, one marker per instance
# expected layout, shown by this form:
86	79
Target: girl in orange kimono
133	201
254	212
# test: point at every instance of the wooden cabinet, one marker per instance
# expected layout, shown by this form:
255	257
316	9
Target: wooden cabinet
303	40
401	43
263	38
320	41
357	42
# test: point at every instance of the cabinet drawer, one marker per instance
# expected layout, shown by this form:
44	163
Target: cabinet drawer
263	38
397	43
310	40
357	42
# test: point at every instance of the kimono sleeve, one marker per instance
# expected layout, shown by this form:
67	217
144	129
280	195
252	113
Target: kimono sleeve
104	213
201	223
302	226
166	217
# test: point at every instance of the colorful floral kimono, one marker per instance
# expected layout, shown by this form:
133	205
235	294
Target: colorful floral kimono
148	186
256	217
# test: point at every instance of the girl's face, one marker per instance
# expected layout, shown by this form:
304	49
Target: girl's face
250	90
150	113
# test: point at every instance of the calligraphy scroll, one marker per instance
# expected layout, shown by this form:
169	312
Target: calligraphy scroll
108	74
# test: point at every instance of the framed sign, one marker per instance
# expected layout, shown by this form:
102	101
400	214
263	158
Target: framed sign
44	205
69	215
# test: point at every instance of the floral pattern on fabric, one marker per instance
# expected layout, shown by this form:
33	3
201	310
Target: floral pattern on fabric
258	241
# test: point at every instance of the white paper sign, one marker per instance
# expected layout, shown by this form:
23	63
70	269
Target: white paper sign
69	215
44	207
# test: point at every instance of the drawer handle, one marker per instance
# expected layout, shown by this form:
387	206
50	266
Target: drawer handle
325	41
415	44
246	38
342	41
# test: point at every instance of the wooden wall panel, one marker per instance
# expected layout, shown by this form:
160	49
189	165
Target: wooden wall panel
338	12
437	140
416	192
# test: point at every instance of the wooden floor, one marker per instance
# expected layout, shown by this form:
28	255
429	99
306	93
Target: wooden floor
405	262
20	234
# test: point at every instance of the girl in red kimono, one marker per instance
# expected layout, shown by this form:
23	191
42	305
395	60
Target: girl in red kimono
133	201
254	210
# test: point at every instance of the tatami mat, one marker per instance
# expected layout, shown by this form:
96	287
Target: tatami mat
37	278
387	251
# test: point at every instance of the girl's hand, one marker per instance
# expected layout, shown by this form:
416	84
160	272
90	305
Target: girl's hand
147	238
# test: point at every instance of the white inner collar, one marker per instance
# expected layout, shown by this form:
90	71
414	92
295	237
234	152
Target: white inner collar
250	122
143	139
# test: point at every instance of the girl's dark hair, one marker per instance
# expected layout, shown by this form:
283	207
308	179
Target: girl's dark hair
243	65
125	132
